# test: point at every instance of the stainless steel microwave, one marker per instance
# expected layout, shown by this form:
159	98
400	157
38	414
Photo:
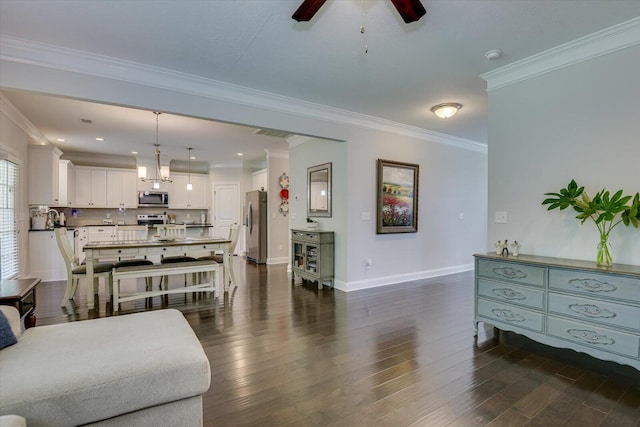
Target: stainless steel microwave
158	199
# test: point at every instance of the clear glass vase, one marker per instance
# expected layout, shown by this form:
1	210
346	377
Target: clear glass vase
604	254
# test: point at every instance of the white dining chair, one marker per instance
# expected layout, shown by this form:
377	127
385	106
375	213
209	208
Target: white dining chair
178	231
76	271
133	233
172	230
234	232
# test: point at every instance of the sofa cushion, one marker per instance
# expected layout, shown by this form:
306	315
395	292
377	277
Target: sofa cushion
91	370
13	316
7	336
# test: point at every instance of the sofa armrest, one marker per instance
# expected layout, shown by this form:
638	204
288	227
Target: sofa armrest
12	421
13	316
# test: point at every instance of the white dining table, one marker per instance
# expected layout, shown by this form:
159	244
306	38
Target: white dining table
190	246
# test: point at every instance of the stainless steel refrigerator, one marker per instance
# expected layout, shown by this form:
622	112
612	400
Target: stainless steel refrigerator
257	226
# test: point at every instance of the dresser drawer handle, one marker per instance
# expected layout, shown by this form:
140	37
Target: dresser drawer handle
509	294
507	315
510	273
592	310
591	337
592	285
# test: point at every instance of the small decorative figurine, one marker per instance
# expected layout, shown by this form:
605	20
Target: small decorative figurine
498	247
505	248
516	248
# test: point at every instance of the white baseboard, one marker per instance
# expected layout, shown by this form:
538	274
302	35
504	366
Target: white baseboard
400	278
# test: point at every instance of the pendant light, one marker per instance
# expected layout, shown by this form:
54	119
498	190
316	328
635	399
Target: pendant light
189	186
160	173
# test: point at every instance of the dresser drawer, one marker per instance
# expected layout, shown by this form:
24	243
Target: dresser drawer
514	272
166	250
599	311
596	337
595	284
118	252
515	294
509	314
304	236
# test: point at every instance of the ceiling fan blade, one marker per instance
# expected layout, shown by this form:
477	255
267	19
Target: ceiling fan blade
410	10
307	9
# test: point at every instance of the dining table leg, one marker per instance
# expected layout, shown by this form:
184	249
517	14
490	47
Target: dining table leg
226	263
90	279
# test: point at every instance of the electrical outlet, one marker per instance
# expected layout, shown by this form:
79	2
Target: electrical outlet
501	217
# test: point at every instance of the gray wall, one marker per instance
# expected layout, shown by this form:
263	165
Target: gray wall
580	122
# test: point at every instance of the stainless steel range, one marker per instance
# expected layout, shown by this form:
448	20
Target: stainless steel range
150	219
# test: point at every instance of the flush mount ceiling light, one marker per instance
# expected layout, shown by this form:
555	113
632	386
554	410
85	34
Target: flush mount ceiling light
160	173
446	110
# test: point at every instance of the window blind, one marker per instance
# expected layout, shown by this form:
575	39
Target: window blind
9	260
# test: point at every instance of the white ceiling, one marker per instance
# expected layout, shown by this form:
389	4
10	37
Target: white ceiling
407	69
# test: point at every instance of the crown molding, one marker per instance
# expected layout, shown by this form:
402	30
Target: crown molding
71	60
233	164
606	41
17	118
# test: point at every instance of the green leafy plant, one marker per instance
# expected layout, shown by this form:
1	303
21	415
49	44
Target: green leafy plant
606	211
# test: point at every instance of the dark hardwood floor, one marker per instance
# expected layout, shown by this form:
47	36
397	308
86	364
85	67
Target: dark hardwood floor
401	355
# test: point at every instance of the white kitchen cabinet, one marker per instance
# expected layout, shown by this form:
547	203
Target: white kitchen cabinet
44	170
91	187
259	180
45	259
121	188
181	198
67	183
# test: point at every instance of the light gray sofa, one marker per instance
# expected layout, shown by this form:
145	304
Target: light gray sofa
144	369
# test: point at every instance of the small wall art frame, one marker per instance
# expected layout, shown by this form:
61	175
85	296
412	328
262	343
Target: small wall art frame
397	197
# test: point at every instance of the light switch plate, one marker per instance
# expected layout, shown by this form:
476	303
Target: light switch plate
501	217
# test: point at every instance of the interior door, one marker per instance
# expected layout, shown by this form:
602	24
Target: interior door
226	210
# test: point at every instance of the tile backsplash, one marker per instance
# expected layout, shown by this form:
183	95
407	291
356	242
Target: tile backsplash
92	216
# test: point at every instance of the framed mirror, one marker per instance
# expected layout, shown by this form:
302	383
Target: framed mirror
319	191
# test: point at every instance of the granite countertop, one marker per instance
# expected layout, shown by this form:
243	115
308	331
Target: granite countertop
69	227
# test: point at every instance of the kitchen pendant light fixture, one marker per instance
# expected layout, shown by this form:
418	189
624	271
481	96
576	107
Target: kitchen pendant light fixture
446	110
160	173
189	186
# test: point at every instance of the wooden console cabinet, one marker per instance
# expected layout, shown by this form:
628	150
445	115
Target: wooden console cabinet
312	256
562	303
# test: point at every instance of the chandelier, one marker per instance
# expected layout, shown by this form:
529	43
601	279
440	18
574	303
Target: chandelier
160	173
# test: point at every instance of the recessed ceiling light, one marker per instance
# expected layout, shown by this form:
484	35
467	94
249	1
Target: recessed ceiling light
99	139
61	140
240	154
192	157
134	152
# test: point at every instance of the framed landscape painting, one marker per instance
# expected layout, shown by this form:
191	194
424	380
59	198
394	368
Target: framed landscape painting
397	209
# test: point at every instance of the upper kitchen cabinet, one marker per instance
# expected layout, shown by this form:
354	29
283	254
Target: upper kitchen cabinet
121	188
44	171
67	183
91	187
181	198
